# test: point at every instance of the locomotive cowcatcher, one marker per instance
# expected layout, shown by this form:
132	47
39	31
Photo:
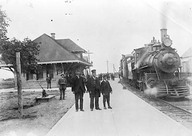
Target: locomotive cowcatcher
156	65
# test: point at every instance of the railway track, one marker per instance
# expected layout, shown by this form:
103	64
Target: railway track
180	111
176	112
187	108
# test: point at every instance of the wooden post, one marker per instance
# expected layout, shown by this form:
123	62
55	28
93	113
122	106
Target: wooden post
19	85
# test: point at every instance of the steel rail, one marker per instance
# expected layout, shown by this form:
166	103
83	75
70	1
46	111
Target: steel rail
175	106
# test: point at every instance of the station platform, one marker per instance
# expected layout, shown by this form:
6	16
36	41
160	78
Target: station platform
130	116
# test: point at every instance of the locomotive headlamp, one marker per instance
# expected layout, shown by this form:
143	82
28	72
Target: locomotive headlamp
167	41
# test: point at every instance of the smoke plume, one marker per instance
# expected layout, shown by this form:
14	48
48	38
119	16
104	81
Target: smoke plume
164	14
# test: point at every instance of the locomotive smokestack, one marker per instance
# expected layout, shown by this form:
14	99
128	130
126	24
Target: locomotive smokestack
163	34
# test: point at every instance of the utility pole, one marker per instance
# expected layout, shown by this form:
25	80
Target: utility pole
107	66
89	59
19	85
114	69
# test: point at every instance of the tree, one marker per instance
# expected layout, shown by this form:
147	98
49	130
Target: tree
8	48
28	50
21	54
3	25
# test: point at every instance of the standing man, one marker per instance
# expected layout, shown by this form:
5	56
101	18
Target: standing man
48	79
78	88
62	82
106	90
93	87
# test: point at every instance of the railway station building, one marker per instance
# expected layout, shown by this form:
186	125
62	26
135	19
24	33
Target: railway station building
56	56
186	61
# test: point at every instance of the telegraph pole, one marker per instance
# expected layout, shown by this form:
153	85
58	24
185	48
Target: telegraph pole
107	66
89	59
19	85
113	68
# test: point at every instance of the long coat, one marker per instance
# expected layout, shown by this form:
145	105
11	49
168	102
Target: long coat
78	85
93	86
105	87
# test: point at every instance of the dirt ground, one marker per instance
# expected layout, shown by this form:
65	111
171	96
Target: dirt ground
39	117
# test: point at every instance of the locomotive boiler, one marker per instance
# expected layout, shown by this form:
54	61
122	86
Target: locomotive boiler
156	65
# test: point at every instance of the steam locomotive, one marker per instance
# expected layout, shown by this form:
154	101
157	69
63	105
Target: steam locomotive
156	65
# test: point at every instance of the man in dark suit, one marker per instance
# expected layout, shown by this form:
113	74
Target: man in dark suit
78	88
93	87
106	90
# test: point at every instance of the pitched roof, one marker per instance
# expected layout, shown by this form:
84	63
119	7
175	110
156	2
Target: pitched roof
187	53
69	45
52	52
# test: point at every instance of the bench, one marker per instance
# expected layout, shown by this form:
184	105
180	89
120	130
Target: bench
44	99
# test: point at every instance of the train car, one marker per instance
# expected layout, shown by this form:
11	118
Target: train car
156	65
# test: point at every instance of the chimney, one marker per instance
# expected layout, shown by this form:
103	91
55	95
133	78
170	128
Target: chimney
53	35
163	34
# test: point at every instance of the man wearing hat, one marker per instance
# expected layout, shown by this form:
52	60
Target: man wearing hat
62	82
93	87
78	88
106	90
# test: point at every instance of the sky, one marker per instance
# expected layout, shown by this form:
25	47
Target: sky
106	28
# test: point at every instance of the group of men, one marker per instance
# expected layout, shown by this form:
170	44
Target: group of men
94	86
